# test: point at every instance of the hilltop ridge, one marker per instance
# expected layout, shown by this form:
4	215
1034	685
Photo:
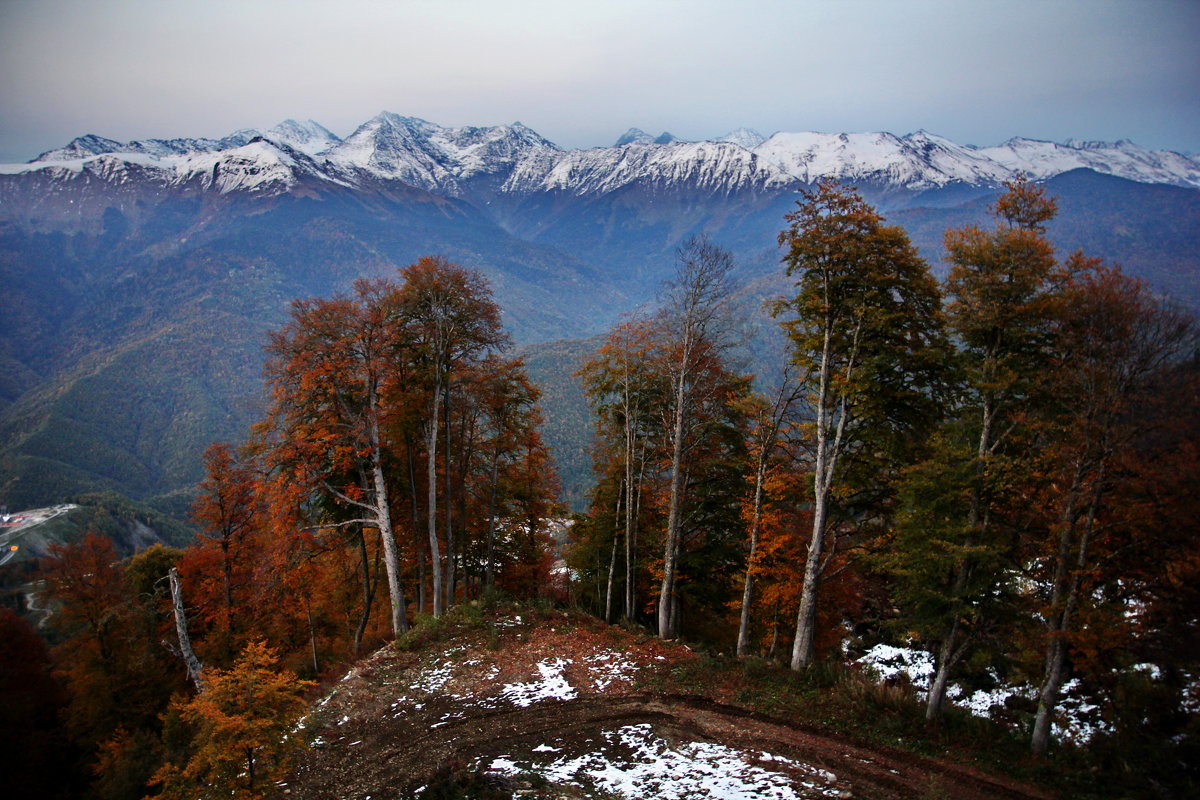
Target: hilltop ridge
529	702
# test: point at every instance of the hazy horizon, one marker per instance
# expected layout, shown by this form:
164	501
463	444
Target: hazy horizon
582	73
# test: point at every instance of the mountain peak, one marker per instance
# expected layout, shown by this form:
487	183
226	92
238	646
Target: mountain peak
743	137
81	147
634	136
308	137
639	136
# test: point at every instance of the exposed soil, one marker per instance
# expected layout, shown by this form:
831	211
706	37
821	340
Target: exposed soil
543	710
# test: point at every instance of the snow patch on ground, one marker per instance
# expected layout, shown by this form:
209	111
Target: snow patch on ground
633	762
1076	720
889	662
553	685
610	666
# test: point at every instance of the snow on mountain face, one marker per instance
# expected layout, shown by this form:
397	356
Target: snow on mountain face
515	160
81	147
262	166
1123	159
259	166
159	148
709	166
423	154
916	161
308	137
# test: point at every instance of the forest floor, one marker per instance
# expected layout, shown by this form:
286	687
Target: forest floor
520	703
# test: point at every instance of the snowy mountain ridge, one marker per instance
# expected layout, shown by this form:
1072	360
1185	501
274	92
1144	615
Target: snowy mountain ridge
515	160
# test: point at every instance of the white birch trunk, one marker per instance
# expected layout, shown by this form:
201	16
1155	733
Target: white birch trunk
195	669
431	441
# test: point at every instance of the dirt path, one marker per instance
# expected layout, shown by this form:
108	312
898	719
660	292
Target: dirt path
404	758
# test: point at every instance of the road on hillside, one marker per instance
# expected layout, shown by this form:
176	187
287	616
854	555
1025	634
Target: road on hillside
15	526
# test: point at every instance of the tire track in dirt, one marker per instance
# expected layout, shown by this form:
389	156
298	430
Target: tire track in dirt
405	757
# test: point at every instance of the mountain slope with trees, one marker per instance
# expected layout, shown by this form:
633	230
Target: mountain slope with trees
993	477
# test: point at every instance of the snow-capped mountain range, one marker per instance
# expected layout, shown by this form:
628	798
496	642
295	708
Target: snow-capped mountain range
153	269
515	160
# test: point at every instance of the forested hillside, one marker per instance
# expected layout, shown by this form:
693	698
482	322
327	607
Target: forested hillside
984	486
995	472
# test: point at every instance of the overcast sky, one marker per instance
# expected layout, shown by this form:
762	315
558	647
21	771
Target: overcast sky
580	72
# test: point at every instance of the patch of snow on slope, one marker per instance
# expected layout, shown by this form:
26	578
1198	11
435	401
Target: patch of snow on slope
435	676
636	763
552	686
743	137
1076	719
308	137
889	662
609	666
917	161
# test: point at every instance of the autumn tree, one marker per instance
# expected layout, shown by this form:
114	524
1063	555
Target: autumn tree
624	392
228	511
767	418
866	332
35	755
331	369
448	317
1005	292
117	676
692	317
242	730
1114	342
507	400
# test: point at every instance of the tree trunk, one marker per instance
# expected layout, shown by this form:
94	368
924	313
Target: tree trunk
630	437
1059	625
823	469
941	678
416	524
312	635
743	640
448	492
227	576
671	547
391	558
251	778
951	649
195	669
632	513
976	524
490	569
383	516
368	592
612	562
774	632
431	474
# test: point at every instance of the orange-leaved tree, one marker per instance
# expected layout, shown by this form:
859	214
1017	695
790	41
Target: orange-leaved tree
448	318
332	368
242	727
